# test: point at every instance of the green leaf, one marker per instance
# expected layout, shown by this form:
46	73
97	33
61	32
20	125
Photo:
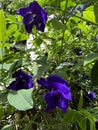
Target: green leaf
22	99
38	41
89	15
94	74
57	25
92	125
2	25
80	100
88	114
11	18
96	12
55	3
17	64
69	3
22	37
40	70
12	29
90	117
6	66
83	27
7	127
62	65
81	121
90	58
69	117
28	127
3	97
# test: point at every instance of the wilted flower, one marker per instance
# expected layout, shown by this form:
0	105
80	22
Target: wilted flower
23	81
59	92
90	95
33	15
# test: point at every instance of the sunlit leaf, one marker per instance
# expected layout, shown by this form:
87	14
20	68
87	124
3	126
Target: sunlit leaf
89	15
83	27
90	58
22	99
2	25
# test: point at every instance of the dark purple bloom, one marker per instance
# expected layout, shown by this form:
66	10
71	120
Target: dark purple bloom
90	95
59	92
85	76
33	15
78	51
23	81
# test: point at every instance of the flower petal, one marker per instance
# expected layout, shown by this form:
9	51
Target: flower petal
17	73
19	84
28	21
12	86
40	26
91	94
23	81
33	15
51	98
43	82
63	104
63	89
44	16
24	11
67	96
21	74
55	78
22	84
35	6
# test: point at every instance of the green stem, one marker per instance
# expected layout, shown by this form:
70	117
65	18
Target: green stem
65	10
86	20
80	105
63	21
47	125
45	118
2	51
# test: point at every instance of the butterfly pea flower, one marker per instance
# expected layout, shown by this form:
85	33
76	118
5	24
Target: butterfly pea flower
22	81
58	94
78	51
33	15
90	95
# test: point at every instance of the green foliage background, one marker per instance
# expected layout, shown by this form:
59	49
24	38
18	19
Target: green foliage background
55	54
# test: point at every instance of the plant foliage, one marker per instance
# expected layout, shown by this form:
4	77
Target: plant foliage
67	47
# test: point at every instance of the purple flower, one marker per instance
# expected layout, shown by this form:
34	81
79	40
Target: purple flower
90	95
23	81
78	51
59	92
33	15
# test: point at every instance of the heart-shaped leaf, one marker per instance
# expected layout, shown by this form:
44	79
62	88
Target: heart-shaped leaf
22	99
